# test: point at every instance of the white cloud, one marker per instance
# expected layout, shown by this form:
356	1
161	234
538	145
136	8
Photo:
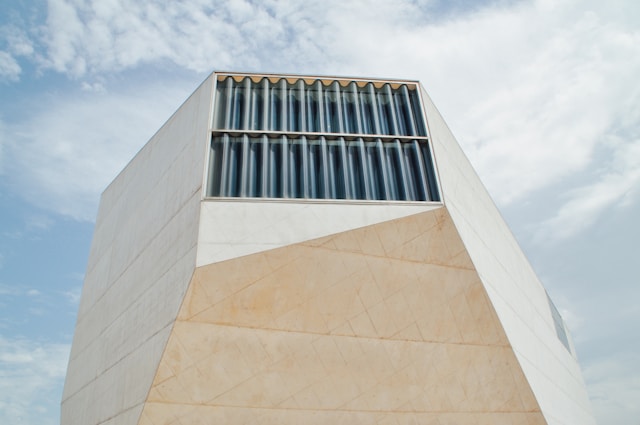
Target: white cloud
14	43
97	87
31	376
33	293
66	152
65	34
9	290
9	67
616	184
3	131
38	222
614	388
17	41
73	295
531	107
98	36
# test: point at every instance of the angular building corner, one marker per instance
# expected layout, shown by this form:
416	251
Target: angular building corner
290	249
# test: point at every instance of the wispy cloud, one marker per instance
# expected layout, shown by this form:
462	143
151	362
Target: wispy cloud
88	139
98	36
14	43
33	293
615	184
9	290
31	377
19	291
9	67
38	222
16	40
614	391
547	94
73	295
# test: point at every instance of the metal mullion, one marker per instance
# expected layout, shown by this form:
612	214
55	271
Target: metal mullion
423	171
285	166
377	128
244	180
265	167
321	118
332	136
356	107
303	107
408	111
346	170
266	102
382	159
246	119
229	102
341	123
283	105
408	193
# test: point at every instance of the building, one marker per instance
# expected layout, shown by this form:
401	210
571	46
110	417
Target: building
290	249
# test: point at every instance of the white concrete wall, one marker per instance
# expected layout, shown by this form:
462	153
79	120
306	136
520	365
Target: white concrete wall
515	291
233	228
142	257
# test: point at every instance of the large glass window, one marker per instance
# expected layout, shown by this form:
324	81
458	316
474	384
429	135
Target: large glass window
319	139
255	104
320	168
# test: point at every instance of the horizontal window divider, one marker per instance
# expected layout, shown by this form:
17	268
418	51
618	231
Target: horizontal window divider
338	201
315	135
326	80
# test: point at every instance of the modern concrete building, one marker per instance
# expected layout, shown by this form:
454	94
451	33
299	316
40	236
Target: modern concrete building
312	250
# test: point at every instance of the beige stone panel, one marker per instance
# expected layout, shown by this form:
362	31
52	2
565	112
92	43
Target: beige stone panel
162	413
275	294
337	372
352	328
362	326
438	244
363	281
211	285
326	290
394	234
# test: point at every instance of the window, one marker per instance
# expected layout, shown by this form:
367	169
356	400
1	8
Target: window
317	139
558	322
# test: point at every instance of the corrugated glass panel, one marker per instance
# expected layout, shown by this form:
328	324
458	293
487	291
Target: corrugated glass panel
320	168
317	108
319	139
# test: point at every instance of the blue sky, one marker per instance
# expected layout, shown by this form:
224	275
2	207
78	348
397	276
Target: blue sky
542	95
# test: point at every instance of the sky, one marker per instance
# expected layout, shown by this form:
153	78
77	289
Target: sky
542	95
